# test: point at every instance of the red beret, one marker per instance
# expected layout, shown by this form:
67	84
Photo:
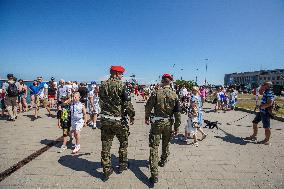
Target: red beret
117	68
167	76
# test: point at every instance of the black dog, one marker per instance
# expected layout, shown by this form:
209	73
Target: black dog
211	124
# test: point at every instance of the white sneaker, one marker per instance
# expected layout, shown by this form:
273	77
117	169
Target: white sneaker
62	149
195	144
76	149
94	126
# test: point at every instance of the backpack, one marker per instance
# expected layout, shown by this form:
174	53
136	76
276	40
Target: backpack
12	90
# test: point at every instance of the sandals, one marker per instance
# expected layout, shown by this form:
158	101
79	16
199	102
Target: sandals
265	142
252	138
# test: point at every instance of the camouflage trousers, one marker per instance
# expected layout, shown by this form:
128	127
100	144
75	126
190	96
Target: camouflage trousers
109	129
159	131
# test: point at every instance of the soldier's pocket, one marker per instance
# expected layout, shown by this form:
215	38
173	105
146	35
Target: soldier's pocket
154	140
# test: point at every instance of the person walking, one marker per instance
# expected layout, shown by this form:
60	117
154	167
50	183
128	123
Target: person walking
11	89
166	105
264	114
115	103
93	104
22	97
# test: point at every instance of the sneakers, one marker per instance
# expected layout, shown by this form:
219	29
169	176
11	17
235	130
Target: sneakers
62	149
107	174
122	168
195	144
94	127
76	149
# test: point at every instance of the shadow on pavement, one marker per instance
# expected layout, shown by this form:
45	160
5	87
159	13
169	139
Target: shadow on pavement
134	166
49	142
208	111
178	139
51	115
232	139
79	164
32	117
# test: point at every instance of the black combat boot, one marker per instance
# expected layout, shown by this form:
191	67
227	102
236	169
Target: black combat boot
162	163
122	167
153	179
107	174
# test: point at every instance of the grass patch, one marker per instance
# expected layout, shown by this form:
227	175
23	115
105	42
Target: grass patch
247	101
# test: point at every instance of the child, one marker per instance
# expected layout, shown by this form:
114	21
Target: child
194	122
78	119
64	120
94	106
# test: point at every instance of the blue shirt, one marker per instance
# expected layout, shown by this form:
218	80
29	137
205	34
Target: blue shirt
267	95
198	100
34	89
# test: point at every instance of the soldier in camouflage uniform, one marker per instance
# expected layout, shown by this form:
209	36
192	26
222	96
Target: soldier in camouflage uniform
166	105
115	105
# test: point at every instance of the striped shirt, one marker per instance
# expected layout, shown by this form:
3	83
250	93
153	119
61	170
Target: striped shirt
267	96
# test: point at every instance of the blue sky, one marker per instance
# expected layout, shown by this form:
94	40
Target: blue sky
80	40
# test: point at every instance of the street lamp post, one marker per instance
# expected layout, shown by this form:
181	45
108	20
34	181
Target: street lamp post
205	82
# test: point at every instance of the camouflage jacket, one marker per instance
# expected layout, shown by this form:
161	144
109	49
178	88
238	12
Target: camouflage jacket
165	103
114	99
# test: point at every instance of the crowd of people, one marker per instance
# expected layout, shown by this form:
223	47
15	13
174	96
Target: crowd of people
79	105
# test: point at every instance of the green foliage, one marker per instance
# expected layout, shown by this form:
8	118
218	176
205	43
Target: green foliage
187	84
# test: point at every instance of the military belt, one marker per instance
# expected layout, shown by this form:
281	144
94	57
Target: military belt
154	119
111	117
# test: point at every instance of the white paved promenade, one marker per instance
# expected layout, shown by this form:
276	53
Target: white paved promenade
222	160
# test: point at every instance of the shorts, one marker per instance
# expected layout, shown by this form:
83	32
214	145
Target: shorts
66	131
11	101
44	102
264	117
77	124
51	96
36	100
3	104
97	110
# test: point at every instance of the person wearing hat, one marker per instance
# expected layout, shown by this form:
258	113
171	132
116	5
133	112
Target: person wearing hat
195	118
166	105
11	89
264	114
115	105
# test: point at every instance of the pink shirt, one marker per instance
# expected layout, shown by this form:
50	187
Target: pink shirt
203	92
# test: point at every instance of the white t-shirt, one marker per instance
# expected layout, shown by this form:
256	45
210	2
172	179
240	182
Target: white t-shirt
76	111
96	99
68	89
61	92
41	93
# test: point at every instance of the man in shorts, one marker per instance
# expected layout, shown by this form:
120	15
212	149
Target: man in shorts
43	95
264	114
11	89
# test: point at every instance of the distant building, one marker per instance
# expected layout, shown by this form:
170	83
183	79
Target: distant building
255	78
